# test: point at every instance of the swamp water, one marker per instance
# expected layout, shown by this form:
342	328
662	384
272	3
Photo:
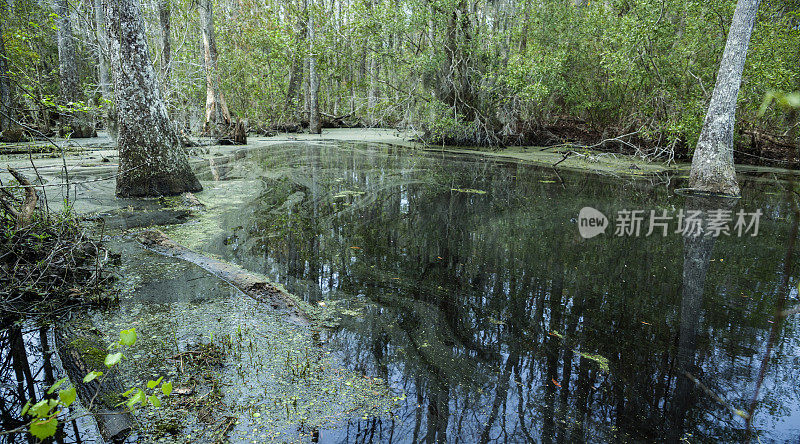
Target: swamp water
464	306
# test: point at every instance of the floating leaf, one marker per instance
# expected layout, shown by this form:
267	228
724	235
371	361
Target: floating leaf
467	190
67	396
600	360
113	359
495	321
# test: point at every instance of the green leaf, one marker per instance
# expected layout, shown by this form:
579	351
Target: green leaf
154	400
25	408
40	409
154	384
67	396
44	428
91	376
139	397
113	359
127	337
56	385
166	388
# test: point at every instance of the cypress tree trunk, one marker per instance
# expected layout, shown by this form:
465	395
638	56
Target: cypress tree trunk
6	108
75	122
152	160
218	119
102	70
313	79
712	164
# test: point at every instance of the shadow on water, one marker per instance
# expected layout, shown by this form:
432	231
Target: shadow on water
467	286
28	368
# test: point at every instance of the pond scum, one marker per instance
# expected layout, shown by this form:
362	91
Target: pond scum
241	372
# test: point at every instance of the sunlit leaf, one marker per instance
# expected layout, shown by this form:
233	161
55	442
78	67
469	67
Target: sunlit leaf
91	376
67	396
154	384
127	337
56	385
154	400
138	397
40	409
113	359
43	428
25	408
166	388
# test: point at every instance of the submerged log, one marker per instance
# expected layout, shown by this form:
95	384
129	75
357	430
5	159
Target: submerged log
249	283
82	351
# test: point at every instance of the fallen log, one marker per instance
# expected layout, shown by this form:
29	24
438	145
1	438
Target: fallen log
249	283
81	351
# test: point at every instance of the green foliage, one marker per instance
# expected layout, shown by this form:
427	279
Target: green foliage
45	413
463	72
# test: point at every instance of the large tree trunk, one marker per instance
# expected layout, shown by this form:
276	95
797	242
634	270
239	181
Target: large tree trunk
102	70
75	122
313	78
152	160
6	107
218	119
712	165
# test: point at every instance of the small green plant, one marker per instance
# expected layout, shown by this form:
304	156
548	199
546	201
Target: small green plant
46	414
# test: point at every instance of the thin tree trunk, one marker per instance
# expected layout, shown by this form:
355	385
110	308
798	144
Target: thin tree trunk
372	99
296	72
164	12
712	164
102	70
313	79
218	119
75	122
152	161
6	107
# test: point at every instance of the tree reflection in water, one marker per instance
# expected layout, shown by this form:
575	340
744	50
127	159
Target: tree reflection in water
489	311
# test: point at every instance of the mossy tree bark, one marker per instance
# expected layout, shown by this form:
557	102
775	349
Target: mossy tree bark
152	160
218	118
713	170
78	123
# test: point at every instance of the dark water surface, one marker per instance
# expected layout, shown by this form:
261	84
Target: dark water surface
465	284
